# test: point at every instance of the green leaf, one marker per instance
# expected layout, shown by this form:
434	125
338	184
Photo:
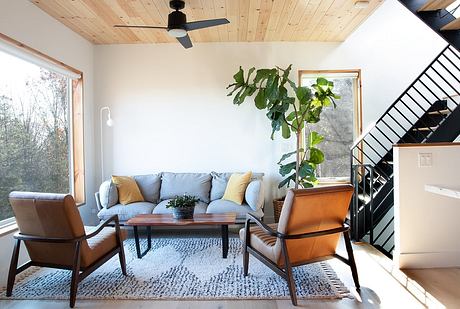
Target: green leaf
314	138
287	155
285	131
305	170
249	74
239	76
261	99
316	156
303	94
286	181
287	168
326	102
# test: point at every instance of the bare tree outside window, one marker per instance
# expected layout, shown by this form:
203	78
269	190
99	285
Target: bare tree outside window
34	130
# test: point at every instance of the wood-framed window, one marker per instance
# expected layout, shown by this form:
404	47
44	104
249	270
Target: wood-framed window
340	126
41	125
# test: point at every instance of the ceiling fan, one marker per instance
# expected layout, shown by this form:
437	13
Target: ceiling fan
178	25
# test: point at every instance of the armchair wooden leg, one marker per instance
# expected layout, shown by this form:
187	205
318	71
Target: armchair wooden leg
13	268
289	275
121	256
351	259
75	275
245	252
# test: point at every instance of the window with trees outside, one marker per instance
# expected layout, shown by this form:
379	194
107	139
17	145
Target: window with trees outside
339	126
40	112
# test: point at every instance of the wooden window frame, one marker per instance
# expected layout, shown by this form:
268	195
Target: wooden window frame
76	121
358	104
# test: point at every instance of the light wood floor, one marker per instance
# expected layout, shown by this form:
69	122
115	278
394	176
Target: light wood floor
383	286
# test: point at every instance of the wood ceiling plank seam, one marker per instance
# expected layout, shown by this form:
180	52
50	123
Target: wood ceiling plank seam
253	19
210	13
123	11
93	22
194	13
295	20
288	10
221	12
262	23
232	10
344	15
243	17
137	17
106	14
325	5
312	6
154	35
357	21
156	20
273	19
64	16
329	20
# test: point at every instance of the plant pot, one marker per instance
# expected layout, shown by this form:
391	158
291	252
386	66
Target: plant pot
183	212
277	206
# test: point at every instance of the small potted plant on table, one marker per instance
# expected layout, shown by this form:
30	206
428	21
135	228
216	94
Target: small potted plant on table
183	206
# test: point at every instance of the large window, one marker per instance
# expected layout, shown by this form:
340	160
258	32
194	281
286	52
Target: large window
339	126
37	124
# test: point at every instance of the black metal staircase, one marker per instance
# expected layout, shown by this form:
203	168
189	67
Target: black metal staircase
427	111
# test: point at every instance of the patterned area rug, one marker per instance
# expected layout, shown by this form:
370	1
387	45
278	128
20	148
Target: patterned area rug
182	268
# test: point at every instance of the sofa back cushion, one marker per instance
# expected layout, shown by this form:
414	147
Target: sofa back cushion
254	195
149	186
220	180
197	184
108	194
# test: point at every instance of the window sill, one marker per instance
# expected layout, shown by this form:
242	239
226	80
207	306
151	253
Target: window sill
8	229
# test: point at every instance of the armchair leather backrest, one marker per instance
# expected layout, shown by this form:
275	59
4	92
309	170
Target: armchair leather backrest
311	210
51	216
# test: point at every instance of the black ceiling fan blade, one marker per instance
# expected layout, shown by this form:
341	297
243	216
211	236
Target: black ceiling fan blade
140	27
185	41
195	25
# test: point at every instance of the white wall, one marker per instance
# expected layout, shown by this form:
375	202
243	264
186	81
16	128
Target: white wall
170	106
23	21
426	224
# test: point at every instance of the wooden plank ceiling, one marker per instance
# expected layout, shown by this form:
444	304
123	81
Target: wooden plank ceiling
250	20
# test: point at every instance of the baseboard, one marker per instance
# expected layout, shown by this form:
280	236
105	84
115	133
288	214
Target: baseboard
427	259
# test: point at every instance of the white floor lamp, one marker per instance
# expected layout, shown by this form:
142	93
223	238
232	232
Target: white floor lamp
109	123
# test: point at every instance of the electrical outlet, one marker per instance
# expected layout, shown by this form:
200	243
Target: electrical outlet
425	159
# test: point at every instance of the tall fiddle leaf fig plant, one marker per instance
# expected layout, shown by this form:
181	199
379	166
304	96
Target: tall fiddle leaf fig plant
288	107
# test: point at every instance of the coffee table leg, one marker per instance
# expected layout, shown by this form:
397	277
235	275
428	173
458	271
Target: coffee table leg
224	241
136	240
138	246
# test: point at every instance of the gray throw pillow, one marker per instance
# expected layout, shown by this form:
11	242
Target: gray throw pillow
196	184
254	195
220	180
149	185
108	194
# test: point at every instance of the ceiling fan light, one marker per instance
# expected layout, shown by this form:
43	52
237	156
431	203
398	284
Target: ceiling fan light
177	33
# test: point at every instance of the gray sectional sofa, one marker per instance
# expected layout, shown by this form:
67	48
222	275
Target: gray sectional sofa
158	189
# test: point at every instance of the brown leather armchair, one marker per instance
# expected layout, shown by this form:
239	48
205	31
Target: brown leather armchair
308	231
53	233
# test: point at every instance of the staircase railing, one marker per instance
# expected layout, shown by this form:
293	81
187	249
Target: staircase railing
418	115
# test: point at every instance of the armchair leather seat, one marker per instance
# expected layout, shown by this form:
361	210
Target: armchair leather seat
101	244
263	242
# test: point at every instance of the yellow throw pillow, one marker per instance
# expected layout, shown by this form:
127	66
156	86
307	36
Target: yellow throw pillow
128	191
236	187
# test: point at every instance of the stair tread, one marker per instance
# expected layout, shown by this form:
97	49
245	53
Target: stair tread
442	111
425	128
434	5
453	25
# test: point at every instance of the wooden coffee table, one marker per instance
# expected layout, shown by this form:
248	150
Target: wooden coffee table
167	220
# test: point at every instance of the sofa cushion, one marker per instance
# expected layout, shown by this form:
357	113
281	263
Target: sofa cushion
223	206
196	184
200	208
128	190
220	180
108	194
236	187
149	186
254	195
126	212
